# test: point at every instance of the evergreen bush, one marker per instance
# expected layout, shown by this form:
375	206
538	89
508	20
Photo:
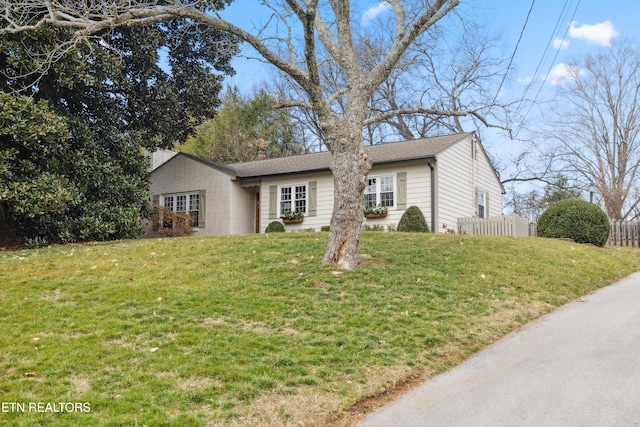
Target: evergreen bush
578	220
275	227
413	221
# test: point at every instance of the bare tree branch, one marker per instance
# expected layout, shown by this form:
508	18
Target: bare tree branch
432	111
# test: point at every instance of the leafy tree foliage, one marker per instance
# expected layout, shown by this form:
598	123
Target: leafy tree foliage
245	129
58	182
71	160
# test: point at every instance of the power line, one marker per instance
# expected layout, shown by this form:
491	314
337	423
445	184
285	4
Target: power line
504	77
562	13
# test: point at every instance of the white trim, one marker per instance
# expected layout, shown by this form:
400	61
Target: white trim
293	199
188	206
378	184
481	200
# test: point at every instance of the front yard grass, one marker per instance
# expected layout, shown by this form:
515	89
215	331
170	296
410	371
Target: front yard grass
252	330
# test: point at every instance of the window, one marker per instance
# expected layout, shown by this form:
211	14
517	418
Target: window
481	204
293	198
379	191
183	203
168	203
194	208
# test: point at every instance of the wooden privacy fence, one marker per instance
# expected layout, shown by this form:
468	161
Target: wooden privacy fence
624	233
503	225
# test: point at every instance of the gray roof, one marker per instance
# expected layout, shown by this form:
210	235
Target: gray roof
382	153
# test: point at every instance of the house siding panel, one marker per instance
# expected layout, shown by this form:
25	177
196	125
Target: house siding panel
489	183
456	186
242	212
461	175
186	175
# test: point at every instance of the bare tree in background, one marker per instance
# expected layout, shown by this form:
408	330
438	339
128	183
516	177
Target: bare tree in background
328	41
459	72
596	126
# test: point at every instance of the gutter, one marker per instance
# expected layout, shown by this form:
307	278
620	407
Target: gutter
433	195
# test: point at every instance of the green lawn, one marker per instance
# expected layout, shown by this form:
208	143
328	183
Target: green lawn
252	330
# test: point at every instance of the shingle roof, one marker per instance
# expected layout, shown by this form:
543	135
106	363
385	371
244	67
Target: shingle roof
382	153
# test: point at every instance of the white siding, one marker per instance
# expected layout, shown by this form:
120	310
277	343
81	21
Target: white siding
456	187
490	184
183	174
463	169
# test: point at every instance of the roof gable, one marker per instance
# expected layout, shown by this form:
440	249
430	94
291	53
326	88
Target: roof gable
219	166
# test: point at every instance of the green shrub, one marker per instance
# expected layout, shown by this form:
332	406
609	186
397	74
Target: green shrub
413	221
325	228
579	220
275	227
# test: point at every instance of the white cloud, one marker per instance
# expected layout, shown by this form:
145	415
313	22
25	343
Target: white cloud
559	43
601	33
562	73
375	11
525	80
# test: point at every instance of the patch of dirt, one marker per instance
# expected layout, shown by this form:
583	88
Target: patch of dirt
11	243
81	384
277	410
191	383
359	410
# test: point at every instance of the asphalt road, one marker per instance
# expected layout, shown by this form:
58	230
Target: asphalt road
578	366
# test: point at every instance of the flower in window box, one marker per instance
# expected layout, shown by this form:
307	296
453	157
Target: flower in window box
291	217
375	211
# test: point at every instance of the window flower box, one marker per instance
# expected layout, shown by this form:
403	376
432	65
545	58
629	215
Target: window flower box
375	215
375	211
291	217
292	220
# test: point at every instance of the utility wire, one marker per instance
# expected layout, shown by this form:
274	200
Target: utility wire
549	69
504	77
544	55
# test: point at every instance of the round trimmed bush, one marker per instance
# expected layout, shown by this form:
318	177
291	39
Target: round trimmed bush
413	221
579	220
275	227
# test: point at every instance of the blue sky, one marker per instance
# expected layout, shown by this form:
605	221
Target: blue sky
556	31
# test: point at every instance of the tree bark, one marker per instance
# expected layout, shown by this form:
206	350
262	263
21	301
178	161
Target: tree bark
350	165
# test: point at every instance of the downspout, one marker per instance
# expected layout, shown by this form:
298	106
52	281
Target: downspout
433	195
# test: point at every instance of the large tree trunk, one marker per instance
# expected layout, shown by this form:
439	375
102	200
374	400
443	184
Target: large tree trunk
350	165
